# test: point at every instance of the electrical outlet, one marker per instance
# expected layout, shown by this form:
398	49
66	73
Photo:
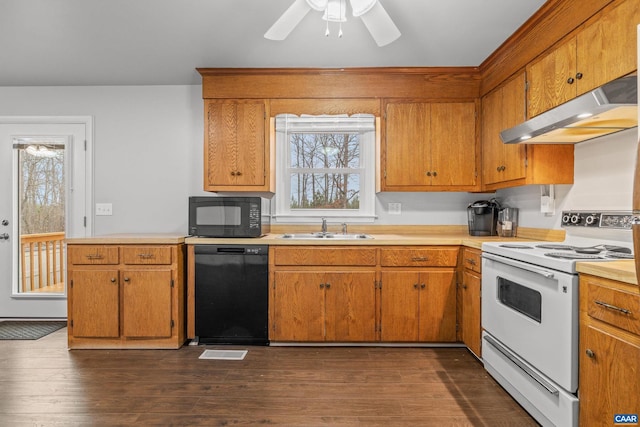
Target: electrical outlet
395	208
104	209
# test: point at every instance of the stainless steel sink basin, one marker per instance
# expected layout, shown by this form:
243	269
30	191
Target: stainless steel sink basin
325	236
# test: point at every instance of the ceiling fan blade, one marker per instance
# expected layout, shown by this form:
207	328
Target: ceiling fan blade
288	21
380	25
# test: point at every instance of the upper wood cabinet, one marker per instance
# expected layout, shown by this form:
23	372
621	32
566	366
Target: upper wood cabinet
429	146
509	165
600	51
236	148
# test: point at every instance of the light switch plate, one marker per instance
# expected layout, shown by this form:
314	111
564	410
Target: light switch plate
104	209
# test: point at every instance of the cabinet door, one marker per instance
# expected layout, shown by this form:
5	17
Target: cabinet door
350	306
552	79
606	49
471	329
235	146
406	144
492	146
513	112
146	303
94	303
608	379
453	144
298	306
399	306
437	306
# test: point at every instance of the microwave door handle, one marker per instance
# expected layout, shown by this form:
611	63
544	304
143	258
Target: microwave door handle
519	264
537	378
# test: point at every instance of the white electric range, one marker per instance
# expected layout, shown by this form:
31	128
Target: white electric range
530	311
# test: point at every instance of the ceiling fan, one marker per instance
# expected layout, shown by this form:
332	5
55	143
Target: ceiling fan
374	16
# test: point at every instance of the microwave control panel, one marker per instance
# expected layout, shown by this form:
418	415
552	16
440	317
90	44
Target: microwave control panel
620	220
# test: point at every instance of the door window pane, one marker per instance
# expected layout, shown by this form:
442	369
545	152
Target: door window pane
41	213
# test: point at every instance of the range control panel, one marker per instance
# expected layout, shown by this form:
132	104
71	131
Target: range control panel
617	219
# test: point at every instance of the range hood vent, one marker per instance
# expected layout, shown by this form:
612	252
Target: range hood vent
603	111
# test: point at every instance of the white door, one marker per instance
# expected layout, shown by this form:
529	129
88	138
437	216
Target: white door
45	183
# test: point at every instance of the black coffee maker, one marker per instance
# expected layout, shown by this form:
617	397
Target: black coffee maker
483	217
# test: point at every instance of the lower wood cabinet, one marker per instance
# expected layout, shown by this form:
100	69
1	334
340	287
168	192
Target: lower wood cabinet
126	296
418	306
322	294
470	292
317	306
362	293
609	350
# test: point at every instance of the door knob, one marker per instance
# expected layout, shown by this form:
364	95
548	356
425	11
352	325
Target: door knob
4	236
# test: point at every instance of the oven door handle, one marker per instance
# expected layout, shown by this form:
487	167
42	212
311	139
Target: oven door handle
519	264
537	378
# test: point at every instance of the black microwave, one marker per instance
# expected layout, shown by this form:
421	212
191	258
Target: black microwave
228	216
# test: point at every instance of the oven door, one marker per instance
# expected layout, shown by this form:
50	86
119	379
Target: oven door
533	311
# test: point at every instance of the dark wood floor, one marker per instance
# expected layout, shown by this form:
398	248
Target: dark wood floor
43	384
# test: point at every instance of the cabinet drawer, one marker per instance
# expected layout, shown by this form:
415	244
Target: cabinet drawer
419	257
146	255
333	256
613	306
92	254
472	260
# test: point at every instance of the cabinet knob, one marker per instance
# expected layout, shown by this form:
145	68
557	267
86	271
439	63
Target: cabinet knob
321	285
579	76
327	285
415	286
423	286
233	173
113	280
435	173
238	173
590	353
126	279
428	173
464	286
570	80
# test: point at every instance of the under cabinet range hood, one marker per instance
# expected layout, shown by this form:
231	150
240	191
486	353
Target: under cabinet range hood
608	109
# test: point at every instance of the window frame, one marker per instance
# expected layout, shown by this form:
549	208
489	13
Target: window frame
367	172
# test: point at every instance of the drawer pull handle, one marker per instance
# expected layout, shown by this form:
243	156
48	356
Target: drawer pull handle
471	261
94	256
612	307
145	256
419	258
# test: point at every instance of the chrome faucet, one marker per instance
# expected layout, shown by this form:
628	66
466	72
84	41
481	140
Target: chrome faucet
324	225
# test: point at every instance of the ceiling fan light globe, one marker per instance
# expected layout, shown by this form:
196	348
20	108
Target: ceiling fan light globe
336	11
360	7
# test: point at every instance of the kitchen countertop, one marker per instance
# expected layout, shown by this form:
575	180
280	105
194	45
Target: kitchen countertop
128	239
622	271
385	236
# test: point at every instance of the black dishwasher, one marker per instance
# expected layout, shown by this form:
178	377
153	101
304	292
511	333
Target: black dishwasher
231	294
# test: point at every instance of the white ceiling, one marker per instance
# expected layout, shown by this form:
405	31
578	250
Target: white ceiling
142	42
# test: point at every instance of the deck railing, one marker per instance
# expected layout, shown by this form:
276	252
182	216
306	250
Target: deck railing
42	262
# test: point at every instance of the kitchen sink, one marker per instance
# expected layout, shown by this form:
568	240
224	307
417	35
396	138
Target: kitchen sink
327	236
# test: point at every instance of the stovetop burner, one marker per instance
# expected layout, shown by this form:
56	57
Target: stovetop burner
555	247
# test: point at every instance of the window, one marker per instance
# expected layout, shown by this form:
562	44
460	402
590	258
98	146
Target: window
325	167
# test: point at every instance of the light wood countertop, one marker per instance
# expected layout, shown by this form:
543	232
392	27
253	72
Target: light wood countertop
128	239
622	271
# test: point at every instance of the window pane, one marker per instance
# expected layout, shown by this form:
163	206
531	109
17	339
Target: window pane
324	150
325	191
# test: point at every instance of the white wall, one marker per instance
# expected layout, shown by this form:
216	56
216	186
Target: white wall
148	160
